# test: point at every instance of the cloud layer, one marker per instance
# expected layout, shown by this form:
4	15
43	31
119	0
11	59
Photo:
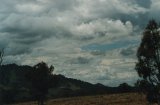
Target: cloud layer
95	41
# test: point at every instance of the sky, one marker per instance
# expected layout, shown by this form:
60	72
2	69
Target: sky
91	40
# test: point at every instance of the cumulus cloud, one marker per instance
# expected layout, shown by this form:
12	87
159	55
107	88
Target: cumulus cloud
95	41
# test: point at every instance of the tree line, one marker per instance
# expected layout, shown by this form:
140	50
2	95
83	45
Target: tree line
28	83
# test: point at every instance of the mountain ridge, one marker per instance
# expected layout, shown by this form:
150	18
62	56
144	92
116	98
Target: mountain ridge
14	86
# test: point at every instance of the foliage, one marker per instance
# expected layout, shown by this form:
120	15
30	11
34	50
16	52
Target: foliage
13	85
148	54
40	78
1	56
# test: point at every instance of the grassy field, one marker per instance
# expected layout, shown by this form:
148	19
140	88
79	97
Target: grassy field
114	99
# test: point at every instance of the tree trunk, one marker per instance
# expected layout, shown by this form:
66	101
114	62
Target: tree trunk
38	102
158	103
158	99
41	102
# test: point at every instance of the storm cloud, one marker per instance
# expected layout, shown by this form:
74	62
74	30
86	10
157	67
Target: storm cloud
95	41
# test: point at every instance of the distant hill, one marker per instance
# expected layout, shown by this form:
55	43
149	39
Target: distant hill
66	87
14	86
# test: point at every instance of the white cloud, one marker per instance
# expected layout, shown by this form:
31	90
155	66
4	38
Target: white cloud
103	27
28	8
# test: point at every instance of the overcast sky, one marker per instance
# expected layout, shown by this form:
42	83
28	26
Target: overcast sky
91	40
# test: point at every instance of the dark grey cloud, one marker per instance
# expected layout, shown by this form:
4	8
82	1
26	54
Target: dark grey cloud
80	60
127	52
143	3
98	53
130	51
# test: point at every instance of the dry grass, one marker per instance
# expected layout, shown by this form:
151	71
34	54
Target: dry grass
114	99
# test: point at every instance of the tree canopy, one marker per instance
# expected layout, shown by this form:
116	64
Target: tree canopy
148	54
1	56
40	78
